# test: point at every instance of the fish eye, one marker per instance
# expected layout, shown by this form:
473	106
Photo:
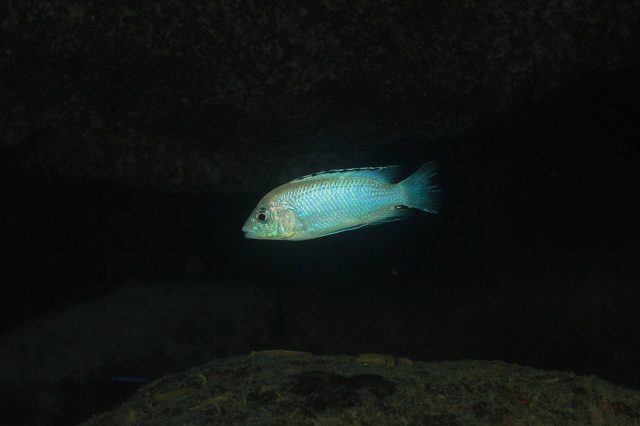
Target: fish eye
262	215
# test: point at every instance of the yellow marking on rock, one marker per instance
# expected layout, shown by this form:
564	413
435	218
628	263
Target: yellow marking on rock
132	417
214	402
279	353
265	412
404	361
177	393
376	359
200	378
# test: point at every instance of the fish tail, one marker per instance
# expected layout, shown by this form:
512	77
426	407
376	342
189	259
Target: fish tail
419	191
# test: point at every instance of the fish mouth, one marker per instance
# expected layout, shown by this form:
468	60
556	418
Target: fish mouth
248	233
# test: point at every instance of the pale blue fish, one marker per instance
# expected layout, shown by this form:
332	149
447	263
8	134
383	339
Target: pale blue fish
335	201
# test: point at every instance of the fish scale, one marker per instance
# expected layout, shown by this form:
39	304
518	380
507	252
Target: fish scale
344	201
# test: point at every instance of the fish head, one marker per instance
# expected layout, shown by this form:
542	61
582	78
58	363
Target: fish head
270	221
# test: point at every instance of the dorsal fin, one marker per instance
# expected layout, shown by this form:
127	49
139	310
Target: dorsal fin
388	174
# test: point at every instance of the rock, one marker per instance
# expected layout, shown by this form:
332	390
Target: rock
335	390
235	95
98	351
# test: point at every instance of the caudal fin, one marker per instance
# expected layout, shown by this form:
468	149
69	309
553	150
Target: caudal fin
419	190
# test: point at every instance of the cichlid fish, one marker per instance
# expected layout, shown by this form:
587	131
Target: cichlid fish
335	201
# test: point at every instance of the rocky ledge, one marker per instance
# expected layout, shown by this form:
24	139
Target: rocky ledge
295	388
236	95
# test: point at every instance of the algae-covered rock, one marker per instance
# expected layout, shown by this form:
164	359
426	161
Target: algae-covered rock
337	390
98	351
227	95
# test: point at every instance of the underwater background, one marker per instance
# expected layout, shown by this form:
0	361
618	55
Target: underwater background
108	284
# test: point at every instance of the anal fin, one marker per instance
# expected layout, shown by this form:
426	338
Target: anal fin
398	212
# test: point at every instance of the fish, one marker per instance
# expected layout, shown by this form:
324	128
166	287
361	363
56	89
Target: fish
334	201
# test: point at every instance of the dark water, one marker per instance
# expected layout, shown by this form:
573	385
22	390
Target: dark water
533	258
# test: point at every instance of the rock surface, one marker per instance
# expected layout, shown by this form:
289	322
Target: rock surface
96	352
288	389
225	96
